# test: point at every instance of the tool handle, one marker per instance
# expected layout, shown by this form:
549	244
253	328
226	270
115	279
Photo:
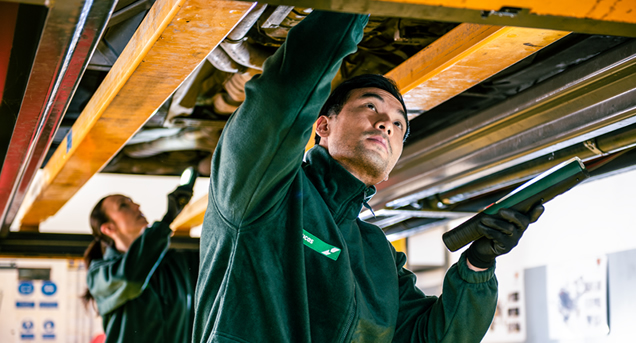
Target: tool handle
466	232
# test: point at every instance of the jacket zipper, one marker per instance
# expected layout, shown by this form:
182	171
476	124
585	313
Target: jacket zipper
347	328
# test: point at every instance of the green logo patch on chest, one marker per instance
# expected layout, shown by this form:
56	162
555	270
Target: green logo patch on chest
319	246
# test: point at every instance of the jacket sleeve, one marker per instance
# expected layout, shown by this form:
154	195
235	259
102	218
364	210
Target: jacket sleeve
462	313
262	145
113	282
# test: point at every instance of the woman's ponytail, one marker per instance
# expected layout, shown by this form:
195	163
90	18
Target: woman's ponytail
96	249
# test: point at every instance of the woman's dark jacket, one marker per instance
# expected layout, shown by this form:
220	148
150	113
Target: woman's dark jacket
147	293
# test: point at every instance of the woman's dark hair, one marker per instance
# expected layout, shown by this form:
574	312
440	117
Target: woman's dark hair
340	95
95	250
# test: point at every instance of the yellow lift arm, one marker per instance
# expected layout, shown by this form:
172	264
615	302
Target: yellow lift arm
173	39
462	58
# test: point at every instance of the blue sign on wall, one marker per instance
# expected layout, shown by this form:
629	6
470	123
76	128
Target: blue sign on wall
48	304
27	325
49	328
25	304
25	287
49	288
27	330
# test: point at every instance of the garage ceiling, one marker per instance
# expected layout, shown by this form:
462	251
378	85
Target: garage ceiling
496	94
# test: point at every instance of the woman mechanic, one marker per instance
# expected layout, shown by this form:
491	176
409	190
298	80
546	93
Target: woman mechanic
143	291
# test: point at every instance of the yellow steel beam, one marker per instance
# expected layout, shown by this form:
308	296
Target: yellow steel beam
604	17
607	10
173	39
464	57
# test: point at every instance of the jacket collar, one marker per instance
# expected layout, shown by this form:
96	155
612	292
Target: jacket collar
111	253
343	193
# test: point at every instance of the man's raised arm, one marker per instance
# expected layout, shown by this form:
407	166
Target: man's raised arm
262	145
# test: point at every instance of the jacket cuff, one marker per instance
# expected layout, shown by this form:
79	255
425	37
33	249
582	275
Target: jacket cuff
472	276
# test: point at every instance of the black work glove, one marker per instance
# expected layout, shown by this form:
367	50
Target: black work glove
176	202
501	234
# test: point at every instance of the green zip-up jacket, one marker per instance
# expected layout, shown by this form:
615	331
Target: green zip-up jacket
145	294
260	279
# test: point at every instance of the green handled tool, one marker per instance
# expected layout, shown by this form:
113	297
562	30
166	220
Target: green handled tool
539	190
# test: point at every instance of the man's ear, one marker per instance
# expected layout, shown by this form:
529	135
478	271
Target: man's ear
322	128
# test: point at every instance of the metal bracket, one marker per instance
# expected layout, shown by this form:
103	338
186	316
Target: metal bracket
509	12
591	144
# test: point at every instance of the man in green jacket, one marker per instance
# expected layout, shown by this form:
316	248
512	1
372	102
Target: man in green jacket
143	290
284	257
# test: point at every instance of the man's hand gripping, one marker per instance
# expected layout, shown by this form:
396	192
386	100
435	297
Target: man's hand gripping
501	234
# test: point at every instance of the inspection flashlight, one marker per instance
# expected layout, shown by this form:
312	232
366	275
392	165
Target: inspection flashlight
188	177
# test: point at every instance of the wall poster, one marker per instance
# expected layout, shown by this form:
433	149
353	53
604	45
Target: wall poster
577	298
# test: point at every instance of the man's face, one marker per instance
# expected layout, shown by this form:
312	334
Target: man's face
366	136
125	214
